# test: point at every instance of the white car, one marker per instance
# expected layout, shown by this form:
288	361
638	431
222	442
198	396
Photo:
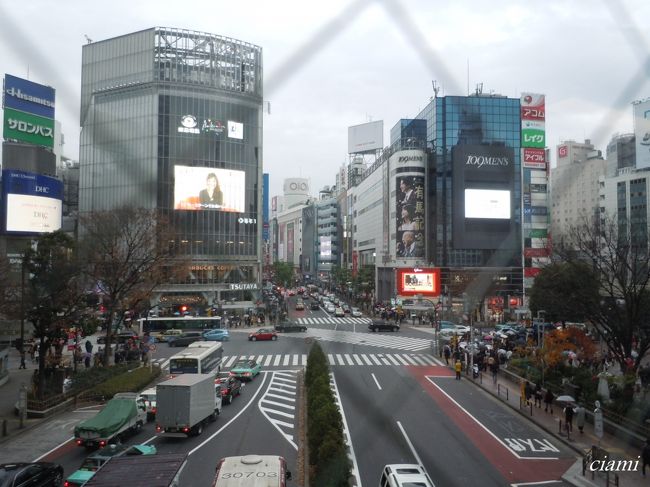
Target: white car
403	475
149	397
338	312
356	312
330	308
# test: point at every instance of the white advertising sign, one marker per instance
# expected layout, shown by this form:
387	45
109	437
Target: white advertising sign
642	133
26	213
235	130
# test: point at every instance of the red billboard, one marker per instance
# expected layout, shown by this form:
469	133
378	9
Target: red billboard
412	281
534	158
537	252
531	271
562	151
533	107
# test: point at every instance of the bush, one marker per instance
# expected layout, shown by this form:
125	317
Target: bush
129	381
330	466
89	378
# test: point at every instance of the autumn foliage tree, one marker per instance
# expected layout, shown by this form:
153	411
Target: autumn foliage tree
559	344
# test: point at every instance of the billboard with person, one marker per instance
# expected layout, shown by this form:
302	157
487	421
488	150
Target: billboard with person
208	188
409	213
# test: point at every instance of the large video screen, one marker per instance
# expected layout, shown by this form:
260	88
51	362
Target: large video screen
413	281
208	188
32	202
487	204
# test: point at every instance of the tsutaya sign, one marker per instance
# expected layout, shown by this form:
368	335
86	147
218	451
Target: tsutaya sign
243	286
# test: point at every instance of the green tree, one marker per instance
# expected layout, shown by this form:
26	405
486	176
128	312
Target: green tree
129	252
615	260
557	288
283	272
54	294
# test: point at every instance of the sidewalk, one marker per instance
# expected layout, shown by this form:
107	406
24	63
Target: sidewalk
508	391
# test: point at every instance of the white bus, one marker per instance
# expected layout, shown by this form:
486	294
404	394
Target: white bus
184	323
197	358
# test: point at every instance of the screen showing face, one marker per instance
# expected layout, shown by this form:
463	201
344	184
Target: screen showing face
208	188
487	204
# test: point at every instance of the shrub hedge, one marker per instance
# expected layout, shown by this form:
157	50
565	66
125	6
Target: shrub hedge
328	460
129	381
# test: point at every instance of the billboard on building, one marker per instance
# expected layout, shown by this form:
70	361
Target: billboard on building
32	203
534	158
533	106
413	281
483	188
208	188
366	137
325	247
29	128
290	242
409	213
642	133
265	207
28	97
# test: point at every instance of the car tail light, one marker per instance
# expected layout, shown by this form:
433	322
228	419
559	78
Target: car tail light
247	374
186	430
158	428
79	442
66	484
231	374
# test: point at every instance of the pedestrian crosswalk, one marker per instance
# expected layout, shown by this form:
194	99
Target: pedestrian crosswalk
278	404
330	320
289	360
386	340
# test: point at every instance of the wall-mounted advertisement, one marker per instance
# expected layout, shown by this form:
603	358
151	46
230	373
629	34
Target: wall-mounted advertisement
487	204
208	188
28	97
414	281
290	242
533	106
325	247
235	130
409	212
534	158
366	137
32	202
25	127
483	188
642	133
533	134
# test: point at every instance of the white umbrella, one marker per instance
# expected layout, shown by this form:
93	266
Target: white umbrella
565	398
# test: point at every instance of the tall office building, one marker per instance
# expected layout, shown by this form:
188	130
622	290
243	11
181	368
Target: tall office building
172	120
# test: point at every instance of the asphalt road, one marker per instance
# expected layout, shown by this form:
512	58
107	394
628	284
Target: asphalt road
399	407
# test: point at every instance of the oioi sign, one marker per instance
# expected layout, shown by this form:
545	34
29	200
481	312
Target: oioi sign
29	128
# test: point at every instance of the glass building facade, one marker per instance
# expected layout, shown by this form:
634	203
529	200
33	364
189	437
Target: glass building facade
161	110
493	122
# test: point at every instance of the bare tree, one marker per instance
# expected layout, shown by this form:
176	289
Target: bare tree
129	252
618	253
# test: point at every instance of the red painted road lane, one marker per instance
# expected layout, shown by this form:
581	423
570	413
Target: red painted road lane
513	469
60	450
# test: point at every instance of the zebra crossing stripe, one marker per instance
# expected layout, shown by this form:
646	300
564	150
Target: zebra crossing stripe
397	356
231	360
276	362
259	359
367	360
392	359
267	362
348	359
418	360
298	360
357	359
295	360
286	360
374	359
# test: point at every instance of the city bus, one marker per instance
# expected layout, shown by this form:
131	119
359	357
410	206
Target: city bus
197	358
184	323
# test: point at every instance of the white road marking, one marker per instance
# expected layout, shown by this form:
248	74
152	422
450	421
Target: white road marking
376	381
408	441
53	449
346	431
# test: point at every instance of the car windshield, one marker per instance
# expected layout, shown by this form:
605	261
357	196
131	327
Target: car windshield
242	364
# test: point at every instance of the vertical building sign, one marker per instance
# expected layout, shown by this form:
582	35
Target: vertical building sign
290	243
534	167
409	213
265	207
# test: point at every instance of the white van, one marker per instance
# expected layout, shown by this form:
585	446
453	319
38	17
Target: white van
403	475
252	470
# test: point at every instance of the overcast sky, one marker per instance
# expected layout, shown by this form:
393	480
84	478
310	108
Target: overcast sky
329	65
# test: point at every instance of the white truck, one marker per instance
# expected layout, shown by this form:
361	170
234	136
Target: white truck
125	413
186	403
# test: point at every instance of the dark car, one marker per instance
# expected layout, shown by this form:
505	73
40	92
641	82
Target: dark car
120	338
230	387
383	326
289	327
38	473
314	305
185	339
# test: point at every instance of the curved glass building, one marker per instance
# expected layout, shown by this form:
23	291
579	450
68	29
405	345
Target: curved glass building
172	119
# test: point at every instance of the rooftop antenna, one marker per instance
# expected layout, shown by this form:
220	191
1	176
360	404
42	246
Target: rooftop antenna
436	88
88	39
479	88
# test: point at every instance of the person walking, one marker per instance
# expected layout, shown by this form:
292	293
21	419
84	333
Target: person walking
22	358
548	401
458	367
568	418
528	391
538	395
580	418
447	353
645	456
494	368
